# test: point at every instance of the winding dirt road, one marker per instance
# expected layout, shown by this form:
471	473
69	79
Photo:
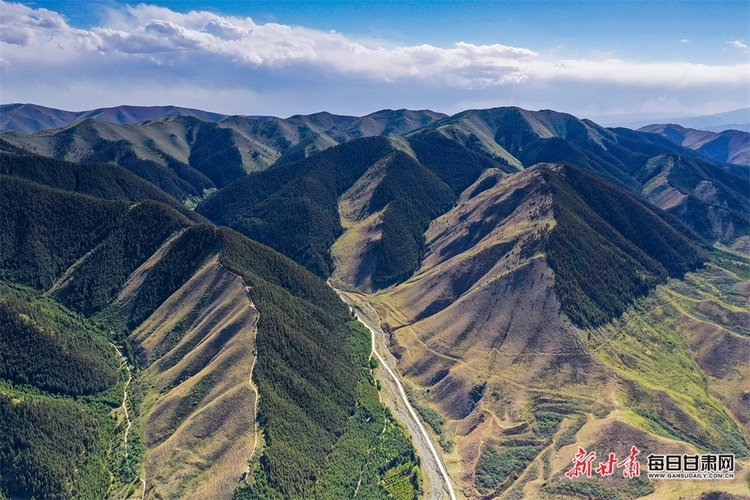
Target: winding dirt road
440	485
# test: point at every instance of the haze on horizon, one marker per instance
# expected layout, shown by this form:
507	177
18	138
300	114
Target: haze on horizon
633	59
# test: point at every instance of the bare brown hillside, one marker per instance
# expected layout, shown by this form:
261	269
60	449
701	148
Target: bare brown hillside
199	425
510	386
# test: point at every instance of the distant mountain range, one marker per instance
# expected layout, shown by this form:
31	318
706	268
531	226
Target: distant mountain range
30	118
738	119
536	281
729	146
731	142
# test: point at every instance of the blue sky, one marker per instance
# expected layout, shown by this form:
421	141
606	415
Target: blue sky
590	58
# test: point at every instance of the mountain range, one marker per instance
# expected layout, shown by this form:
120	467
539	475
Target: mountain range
728	146
534	282
739	119
30	118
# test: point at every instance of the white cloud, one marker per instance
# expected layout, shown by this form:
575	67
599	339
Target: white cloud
138	47
669	74
145	31
738	44
685	40
226	30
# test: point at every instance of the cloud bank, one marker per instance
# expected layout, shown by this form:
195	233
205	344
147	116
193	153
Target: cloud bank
139	47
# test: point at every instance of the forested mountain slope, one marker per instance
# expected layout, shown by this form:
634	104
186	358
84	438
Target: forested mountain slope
188	154
189	157
221	332
540	282
59	380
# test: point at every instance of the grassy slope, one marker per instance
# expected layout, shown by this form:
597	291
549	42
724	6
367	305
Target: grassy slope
668	345
94	244
527	411
681	375
198	413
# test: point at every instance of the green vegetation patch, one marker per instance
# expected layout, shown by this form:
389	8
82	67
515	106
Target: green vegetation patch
400	482
504	461
293	208
412	197
373	458
186	406
99	277
52	449
608	248
44	345
52	446
584	489
431	417
497	466
547	422
568	436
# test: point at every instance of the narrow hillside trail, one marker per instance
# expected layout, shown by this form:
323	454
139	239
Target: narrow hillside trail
252	370
127	415
250	378
431	462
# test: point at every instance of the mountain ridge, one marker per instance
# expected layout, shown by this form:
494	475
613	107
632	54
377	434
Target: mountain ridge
31	118
727	146
738	119
192	305
540	282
